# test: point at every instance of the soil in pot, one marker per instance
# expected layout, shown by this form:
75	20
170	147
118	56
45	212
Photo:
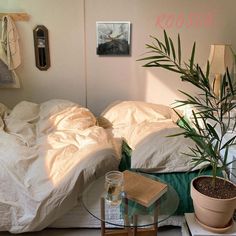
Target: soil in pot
221	190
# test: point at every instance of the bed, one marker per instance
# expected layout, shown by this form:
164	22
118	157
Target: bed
48	152
145	127
142	130
138	130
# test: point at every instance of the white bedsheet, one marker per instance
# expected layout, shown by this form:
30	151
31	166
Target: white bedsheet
46	161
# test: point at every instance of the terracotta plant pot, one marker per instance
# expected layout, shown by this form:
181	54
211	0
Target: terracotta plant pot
212	212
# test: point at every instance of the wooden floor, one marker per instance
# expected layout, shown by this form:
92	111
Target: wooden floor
163	231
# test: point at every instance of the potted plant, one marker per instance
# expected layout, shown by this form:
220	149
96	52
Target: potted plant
214	198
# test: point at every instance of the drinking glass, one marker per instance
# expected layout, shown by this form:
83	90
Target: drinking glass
114	182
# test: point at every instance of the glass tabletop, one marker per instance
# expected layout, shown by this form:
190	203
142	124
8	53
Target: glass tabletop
128	213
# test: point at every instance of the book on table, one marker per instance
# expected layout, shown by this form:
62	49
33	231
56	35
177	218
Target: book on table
142	189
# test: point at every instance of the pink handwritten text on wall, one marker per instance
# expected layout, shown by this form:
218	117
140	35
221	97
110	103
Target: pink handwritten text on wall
183	20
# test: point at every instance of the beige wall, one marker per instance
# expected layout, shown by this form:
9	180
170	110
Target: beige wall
66	76
110	78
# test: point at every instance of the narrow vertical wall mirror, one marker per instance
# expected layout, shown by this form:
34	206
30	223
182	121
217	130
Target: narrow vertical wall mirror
41	47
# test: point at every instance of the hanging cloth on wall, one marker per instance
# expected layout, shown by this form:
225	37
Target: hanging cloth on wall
10	50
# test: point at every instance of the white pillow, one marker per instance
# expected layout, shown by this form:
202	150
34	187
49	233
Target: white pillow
134	112
25	111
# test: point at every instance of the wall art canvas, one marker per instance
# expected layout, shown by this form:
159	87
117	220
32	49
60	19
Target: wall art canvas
113	38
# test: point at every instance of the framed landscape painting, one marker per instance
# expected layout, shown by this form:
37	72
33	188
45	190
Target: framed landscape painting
113	37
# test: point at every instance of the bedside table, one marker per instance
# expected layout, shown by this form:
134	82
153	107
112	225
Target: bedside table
129	218
196	230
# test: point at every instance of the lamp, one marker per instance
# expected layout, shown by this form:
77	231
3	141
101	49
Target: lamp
220	58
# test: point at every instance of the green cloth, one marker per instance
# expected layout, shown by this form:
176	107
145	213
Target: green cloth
180	181
126	152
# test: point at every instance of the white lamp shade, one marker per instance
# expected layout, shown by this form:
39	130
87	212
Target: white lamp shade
221	57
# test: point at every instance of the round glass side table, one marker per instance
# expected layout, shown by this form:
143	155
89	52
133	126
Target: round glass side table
129	217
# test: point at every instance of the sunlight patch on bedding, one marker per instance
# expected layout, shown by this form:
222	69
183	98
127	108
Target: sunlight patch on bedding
70	149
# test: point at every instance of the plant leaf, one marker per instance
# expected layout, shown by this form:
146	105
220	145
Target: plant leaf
230	82
172	48
192	57
179	49
228	142
213	132
167	43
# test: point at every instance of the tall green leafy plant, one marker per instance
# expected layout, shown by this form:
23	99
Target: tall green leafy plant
210	113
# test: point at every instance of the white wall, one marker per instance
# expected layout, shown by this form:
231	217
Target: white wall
110	78
66	76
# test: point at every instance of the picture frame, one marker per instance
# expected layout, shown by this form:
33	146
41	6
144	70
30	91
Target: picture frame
113	38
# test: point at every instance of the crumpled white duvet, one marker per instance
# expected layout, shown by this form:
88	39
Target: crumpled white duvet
48	153
146	127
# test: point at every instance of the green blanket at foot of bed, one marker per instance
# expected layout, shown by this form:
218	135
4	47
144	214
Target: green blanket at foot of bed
180	181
